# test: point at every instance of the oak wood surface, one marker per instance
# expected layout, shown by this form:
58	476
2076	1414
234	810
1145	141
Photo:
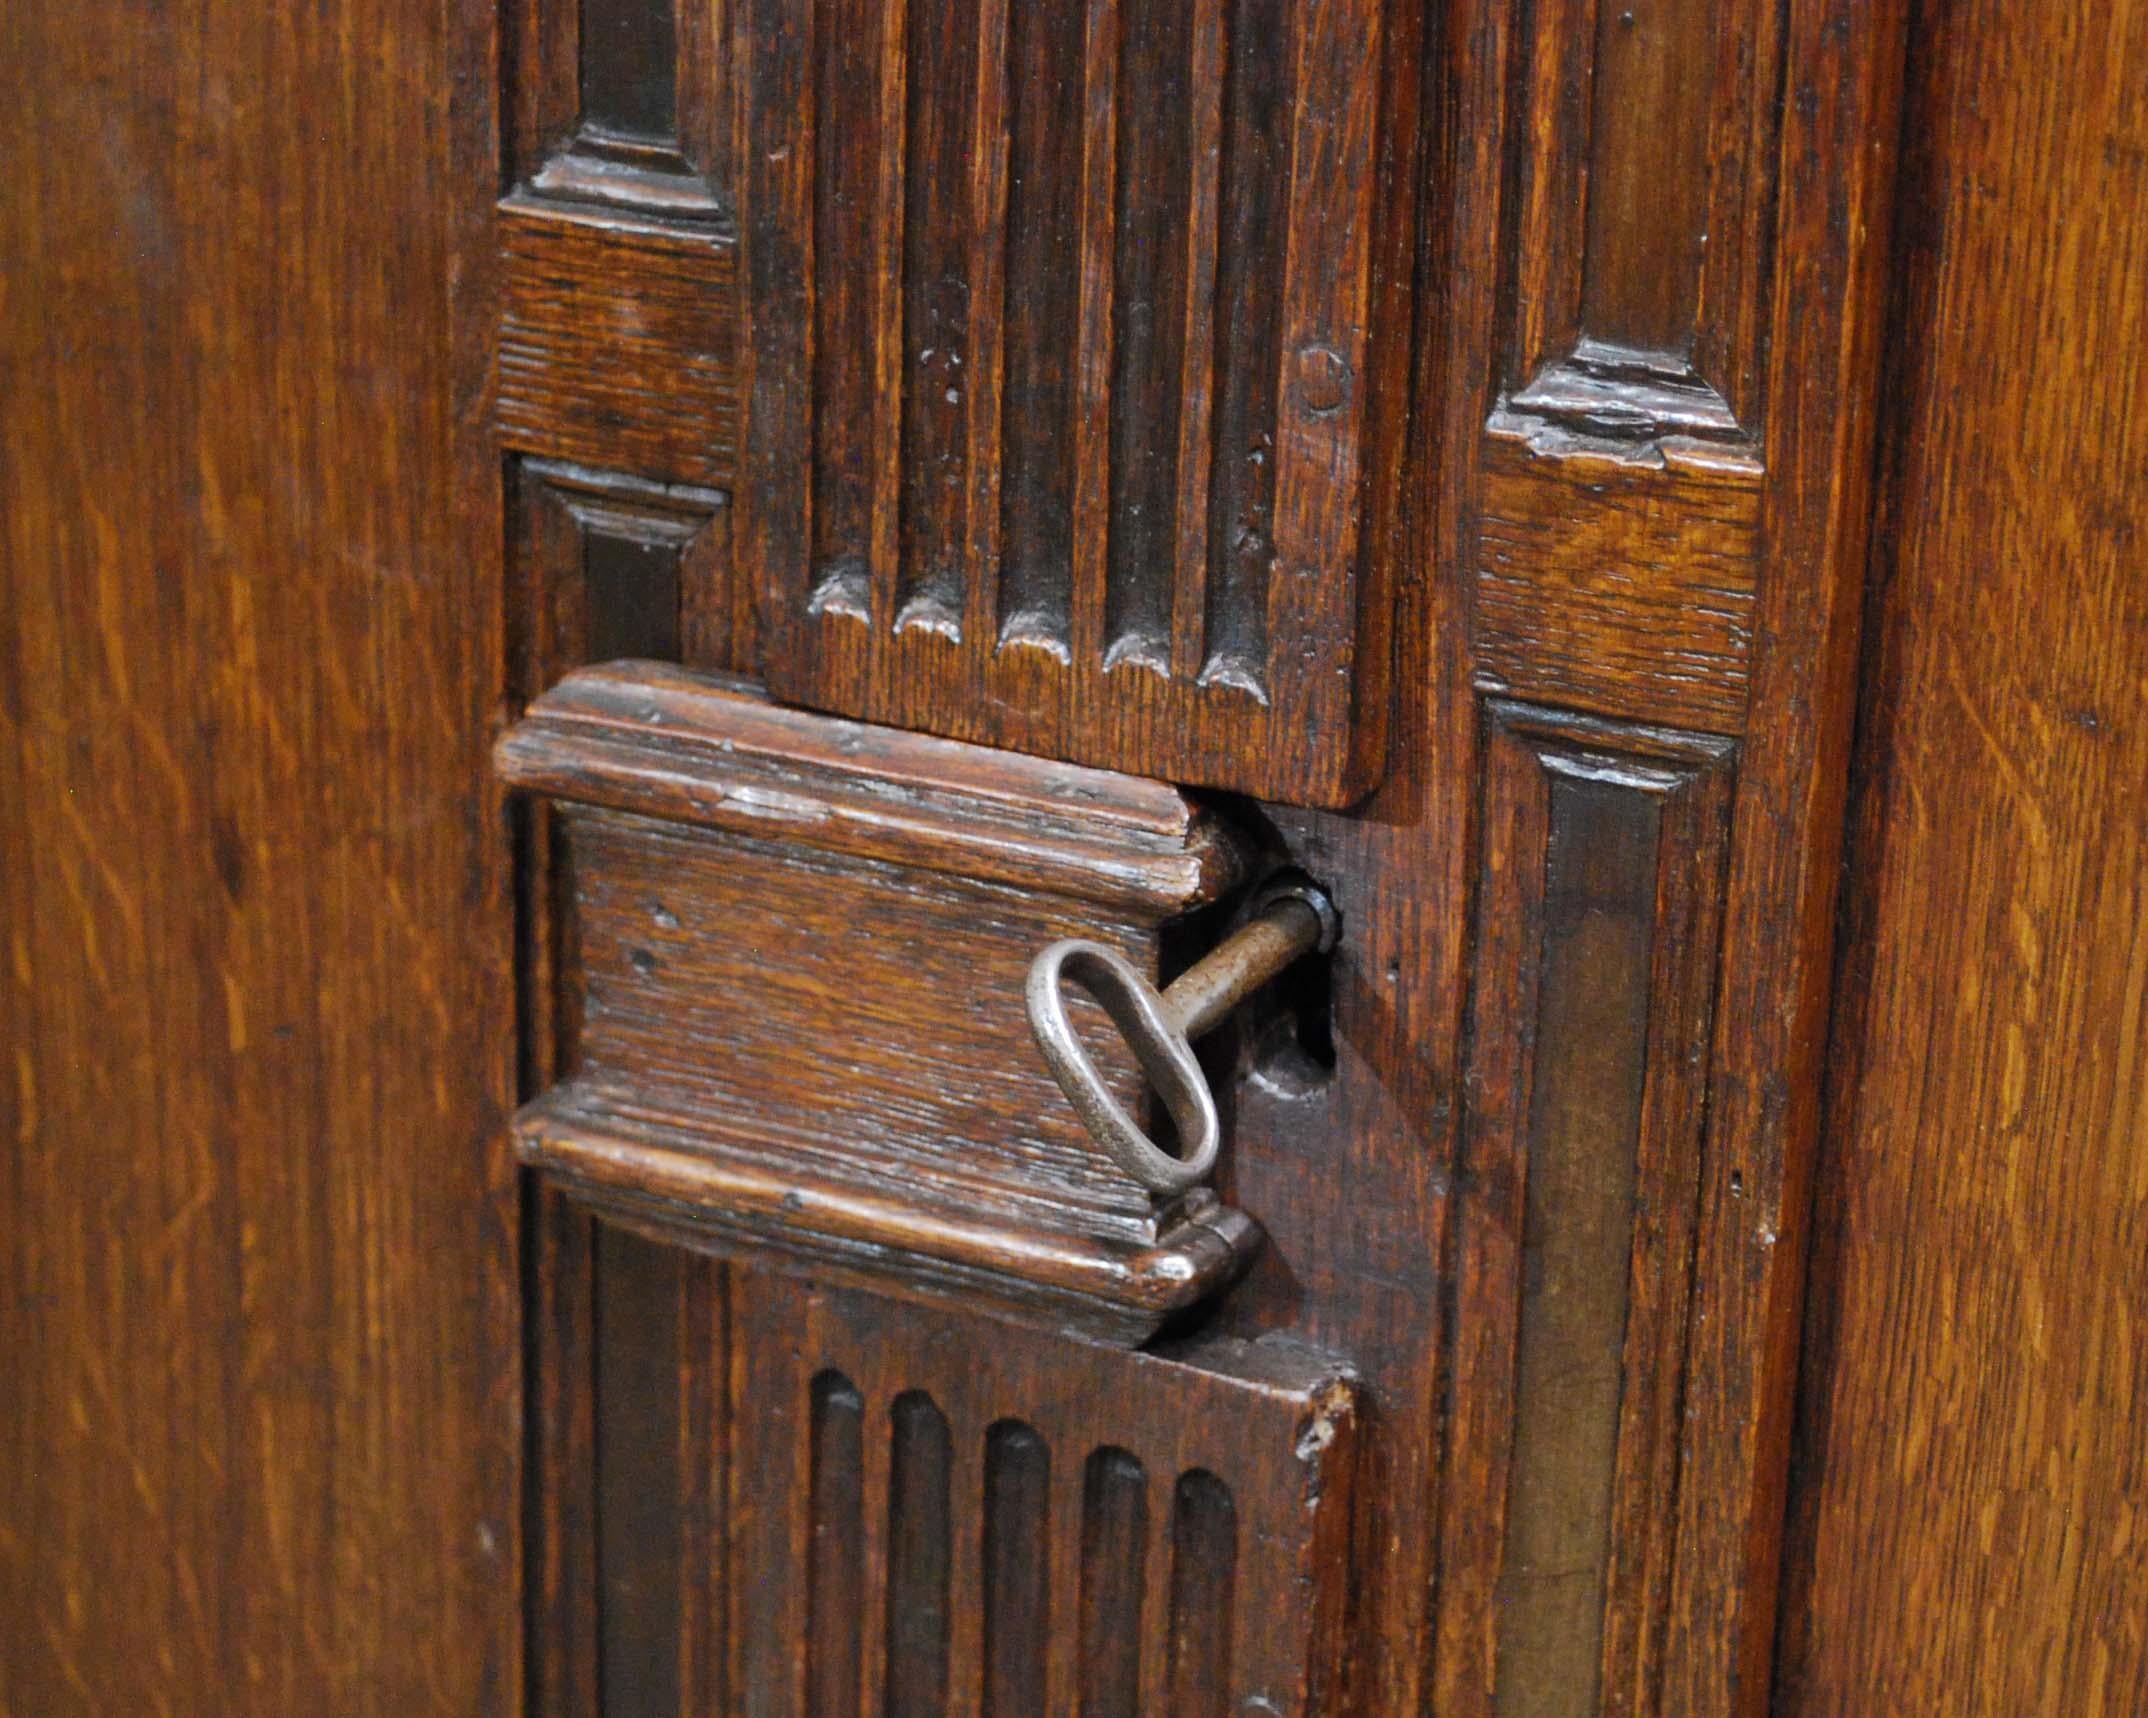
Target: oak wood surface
799	953
1642	243
1076	429
1191	1508
1788	415
641	122
1598	939
1576	382
1972	1463
1843	64
604	314
259	1440
605	563
1655	604
1618	579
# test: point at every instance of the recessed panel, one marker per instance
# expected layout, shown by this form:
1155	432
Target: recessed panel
1604	868
938	1516
1076	357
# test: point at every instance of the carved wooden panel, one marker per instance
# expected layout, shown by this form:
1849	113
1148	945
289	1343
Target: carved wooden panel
624	103
625	1416
1644	164
1078	331
934	1519
615	367
1661	532
1616	543
1617	561
617	347
1599	933
608	566
1638	459
801	950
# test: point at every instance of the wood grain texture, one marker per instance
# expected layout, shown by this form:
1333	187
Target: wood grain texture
1203	1495
616	346
1805	449
1645	163
1015	480
623	104
600	565
1617	579
799	996
1843	67
1972	1475
259	1436
1597	948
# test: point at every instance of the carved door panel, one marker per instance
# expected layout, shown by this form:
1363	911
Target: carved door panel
1063	466
977	855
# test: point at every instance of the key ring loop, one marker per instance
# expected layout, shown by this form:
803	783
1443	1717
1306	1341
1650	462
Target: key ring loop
1163	1051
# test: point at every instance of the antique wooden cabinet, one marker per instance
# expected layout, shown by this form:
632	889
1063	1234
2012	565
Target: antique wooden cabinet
989	856
1440	437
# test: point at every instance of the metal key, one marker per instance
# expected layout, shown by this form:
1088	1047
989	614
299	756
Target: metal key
1292	919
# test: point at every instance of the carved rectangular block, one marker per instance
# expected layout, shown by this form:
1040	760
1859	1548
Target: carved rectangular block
1079	339
1616	578
801	945
936	1522
616	344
